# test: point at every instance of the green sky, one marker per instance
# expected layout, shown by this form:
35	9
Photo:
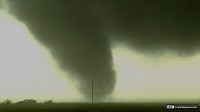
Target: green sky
147	49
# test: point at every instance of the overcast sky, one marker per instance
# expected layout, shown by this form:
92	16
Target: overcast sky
140	49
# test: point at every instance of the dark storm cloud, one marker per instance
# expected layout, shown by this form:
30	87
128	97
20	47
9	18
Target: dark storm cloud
80	33
1	4
152	26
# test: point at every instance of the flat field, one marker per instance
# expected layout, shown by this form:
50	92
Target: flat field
88	107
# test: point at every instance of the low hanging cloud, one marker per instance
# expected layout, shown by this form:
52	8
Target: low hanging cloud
80	33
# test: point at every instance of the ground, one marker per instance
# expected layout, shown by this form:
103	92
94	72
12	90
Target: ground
88	107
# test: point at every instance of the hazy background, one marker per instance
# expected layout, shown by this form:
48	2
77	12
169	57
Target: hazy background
133	50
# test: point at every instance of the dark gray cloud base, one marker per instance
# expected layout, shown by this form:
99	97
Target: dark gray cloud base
80	33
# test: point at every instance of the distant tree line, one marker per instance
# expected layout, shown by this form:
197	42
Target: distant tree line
7	101
26	101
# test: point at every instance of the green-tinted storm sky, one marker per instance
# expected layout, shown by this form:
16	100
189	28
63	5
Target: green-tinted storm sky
83	35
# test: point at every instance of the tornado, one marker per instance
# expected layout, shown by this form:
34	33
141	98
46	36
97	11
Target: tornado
74	36
80	34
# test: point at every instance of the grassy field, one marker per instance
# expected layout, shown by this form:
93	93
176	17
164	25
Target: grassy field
87	107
